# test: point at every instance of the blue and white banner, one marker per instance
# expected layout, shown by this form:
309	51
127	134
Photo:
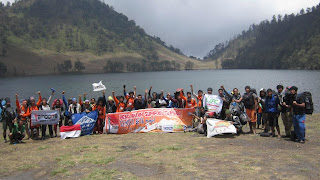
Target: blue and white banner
87	121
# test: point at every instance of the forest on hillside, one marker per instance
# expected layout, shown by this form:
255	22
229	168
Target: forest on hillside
74	25
286	42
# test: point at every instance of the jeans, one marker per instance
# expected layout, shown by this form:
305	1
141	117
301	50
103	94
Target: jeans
299	126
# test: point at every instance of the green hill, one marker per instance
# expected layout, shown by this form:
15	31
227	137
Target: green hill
47	36
285	42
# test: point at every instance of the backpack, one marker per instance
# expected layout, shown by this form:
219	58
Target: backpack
308	101
248	100
8	113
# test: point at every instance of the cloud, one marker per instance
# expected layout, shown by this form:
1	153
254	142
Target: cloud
196	26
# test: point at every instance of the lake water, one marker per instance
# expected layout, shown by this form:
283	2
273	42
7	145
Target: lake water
75	85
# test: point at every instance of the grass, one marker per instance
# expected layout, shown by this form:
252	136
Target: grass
165	155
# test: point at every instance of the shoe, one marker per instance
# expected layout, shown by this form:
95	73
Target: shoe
5	141
43	138
273	135
279	136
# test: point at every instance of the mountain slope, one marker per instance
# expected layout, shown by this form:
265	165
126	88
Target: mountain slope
288	42
49	32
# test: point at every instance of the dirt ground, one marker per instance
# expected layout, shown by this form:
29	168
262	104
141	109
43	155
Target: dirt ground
165	156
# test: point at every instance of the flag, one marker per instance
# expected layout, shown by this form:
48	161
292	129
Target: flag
87	121
98	86
70	131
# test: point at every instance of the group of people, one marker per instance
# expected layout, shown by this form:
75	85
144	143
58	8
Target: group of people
262	109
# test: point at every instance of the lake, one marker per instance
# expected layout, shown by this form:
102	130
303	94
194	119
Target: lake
75	85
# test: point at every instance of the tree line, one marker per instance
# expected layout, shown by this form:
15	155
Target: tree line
286	42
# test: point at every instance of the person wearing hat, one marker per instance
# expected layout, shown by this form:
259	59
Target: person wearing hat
299	116
67	105
251	104
74	107
8	115
286	113
111	106
21	111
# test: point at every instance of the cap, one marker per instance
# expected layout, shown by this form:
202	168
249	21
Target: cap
293	88
227	112
32	98
269	90
247	87
262	90
209	89
74	99
86	101
110	98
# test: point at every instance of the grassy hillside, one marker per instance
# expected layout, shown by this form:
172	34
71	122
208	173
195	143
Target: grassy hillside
286	42
45	33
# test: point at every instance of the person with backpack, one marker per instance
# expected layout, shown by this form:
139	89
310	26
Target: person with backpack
44	106
299	116
101	108
272	112
66	105
8	115
251	104
21	111
34	107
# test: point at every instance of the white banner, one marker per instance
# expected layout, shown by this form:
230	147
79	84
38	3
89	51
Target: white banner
216	127
98	86
45	117
213	103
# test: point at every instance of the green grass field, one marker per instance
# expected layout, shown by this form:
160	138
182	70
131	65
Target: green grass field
165	156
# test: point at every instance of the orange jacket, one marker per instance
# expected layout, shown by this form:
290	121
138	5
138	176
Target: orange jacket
101	112
120	106
191	104
130	102
21	109
33	108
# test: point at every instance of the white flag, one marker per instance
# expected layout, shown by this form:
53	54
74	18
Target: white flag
98	86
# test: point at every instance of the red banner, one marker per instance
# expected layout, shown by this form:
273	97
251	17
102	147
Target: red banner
149	120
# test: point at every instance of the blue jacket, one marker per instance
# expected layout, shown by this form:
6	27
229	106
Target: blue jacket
272	104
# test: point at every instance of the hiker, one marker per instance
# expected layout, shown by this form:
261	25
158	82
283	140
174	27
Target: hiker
86	106
45	106
92	101
261	109
299	116
286	114
110	106
121	106
58	106
8	115
101	108
250	103
154	97
198	96
34	107
67	105
161	103
139	103
149	103
17	133
225	105
272	113
22	111
130	98
190	102
74	107
199	121
168	100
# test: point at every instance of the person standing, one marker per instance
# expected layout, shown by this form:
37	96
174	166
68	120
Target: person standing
299	116
272	103
45	106
261	119
251	105
22	111
286	114
8	115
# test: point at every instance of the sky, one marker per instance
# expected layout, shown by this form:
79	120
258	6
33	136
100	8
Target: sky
196	26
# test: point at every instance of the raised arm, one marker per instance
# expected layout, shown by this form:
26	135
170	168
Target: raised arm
115	98
124	91
50	97
64	100
17	103
145	94
80	101
104	97
40	98
84	96
182	96
224	90
192	92
134	91
149	93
